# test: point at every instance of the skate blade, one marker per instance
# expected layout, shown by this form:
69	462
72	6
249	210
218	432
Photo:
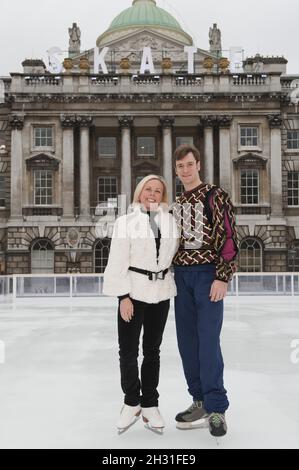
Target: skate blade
189	426
158	431
121	431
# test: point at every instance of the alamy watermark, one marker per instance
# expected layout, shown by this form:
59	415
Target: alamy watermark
186	223
2	352
295	353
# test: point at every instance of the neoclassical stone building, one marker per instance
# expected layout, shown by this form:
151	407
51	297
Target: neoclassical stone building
71	141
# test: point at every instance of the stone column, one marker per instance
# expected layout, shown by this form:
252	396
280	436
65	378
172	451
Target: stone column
68	123
208	159
17	123
225	166
167	124
85	123
126	123
275	122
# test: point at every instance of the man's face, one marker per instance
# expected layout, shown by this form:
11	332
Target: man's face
187	169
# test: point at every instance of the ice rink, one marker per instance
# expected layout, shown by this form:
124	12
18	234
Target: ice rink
60	377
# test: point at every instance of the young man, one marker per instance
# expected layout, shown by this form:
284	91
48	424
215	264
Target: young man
203	266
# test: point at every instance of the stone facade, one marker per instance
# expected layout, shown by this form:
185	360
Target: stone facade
210	107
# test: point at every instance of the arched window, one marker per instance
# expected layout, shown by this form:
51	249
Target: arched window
42	257
251	256
101	254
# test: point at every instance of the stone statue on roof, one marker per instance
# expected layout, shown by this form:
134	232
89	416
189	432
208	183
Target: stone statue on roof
74	42
215	39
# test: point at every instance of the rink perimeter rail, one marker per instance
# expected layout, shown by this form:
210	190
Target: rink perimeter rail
87	285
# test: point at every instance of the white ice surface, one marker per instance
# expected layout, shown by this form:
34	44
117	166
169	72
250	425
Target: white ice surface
59	385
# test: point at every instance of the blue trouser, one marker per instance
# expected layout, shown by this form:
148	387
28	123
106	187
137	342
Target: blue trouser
198	325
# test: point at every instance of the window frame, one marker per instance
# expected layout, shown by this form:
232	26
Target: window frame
183	137
49	266
247	170
100	156
292	189
3	192
146	156
178	183
43	147
99	268
261	257
292	150
106	177
48	172
256	147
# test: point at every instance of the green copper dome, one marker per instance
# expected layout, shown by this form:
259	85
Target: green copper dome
144	13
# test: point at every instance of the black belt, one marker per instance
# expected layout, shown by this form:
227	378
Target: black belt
153	276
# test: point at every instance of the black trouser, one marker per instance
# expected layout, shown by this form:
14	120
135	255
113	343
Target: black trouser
153	319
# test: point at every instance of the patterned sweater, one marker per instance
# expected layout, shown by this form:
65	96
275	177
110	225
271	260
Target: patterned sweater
208	230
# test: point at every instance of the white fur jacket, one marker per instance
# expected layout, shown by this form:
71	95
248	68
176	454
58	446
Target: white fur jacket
133	244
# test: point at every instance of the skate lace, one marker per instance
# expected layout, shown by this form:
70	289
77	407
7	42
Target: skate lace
195	404
217	419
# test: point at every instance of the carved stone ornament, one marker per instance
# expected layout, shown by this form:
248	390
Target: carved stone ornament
224	121
275	120
125	122
208	121
84	121
68	121
167	122
17	122
73	237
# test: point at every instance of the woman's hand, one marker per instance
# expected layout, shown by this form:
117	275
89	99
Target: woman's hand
126	309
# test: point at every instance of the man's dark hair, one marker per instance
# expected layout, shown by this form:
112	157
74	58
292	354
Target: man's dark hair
183	150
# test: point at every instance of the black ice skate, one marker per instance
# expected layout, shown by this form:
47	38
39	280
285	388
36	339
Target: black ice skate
193	417
217	424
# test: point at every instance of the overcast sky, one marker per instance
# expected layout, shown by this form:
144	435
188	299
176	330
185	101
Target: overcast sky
29	28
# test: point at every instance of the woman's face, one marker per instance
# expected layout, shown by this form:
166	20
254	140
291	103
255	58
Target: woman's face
151	195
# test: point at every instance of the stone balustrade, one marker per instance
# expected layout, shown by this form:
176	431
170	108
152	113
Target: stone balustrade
130	84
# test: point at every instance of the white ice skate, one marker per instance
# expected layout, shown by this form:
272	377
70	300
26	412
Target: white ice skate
153	419
128	416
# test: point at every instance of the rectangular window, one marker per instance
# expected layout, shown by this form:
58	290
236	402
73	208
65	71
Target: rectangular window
146	147
107	188
43	137
43	188
249	136
293	257
2	191
293	188
107	147
179	187
293	140
249	187
138	179
2	142
184	140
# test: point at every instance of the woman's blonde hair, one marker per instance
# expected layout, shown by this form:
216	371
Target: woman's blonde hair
143	182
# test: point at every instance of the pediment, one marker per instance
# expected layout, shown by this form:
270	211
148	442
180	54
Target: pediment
137	40
250	159
43	161
146	167
157	41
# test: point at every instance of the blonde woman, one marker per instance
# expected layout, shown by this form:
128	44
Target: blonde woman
143	245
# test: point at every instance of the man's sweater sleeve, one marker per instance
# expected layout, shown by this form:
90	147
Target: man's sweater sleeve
224	234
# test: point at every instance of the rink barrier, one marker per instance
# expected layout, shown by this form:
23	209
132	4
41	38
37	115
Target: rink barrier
88	285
